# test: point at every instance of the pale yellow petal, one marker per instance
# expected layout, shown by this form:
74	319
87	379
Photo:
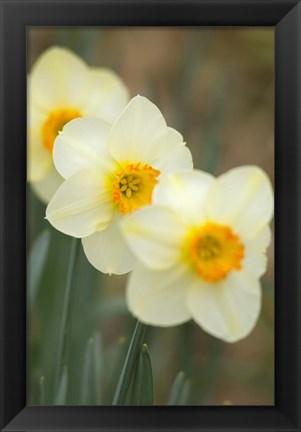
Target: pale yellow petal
262	237
174	154
35	117
106	96
39	161
83	144
59	78
155	235
174	137
176	159
107	250
46	188
81	205
159	297
255	258
242	197
228	309
138	133
186	192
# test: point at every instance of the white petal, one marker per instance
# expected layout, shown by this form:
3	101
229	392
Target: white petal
107	95
159	297
59	78
242	197
262	237
81	205
174	155
179	158
107	250
155	235
255	258
138	133
174	137
229	309
82	144
186	192
46	188
35	116
39	159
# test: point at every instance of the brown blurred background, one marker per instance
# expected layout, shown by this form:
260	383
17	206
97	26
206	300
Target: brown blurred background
216	87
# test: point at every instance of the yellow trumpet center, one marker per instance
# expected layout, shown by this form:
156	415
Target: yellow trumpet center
55	123
133	186
213	250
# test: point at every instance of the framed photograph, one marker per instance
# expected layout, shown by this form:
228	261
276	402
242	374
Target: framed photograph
150	189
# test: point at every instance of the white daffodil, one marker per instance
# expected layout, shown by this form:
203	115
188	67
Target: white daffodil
202	251
61	87
110	172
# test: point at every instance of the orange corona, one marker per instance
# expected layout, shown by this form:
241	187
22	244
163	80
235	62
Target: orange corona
213	250
55	123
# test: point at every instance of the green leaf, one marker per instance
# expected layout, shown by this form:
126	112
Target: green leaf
86	380
36	264
114	360
91	379
97	366
65	323
142	385
87	293
185	393
60	398
42	390
180	390
129	364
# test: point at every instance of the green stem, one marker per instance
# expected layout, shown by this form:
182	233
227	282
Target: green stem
64	330
42	390
129	364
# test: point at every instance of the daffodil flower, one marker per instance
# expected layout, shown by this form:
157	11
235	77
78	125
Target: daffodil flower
111	172
202	249
61	87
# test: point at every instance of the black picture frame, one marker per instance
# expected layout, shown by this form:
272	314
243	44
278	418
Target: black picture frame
284	16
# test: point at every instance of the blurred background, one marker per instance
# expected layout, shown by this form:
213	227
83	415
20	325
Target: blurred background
216	87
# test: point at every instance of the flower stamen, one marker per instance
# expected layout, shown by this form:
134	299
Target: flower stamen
213	250
133	186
